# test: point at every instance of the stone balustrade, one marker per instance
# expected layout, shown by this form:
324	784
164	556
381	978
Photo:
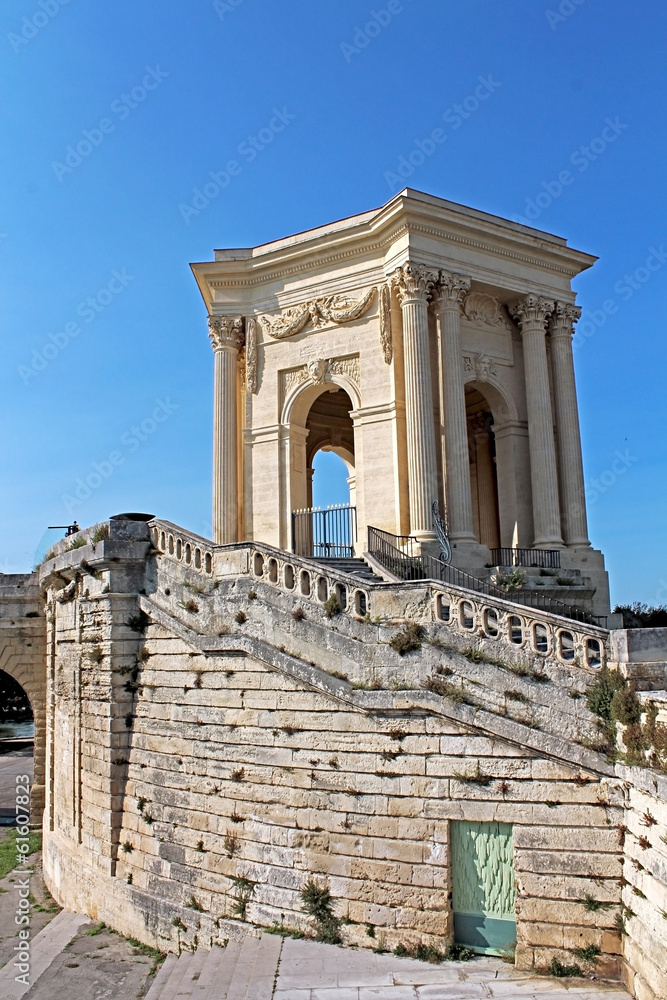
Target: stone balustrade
536	632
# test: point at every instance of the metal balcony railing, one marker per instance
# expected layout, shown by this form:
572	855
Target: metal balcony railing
324	534
542	558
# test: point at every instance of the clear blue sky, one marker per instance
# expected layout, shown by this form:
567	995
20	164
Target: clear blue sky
168	93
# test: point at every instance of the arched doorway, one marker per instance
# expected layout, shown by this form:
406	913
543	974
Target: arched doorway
325	530
17	731
483	471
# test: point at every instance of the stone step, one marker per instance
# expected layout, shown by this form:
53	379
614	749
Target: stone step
161	977
238	987
217	972
260	986
173	984
190	980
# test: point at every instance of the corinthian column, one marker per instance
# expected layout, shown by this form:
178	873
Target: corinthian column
226	333
413	284
532	313
449	296
568	434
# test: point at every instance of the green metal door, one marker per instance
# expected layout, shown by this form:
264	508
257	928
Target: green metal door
483	889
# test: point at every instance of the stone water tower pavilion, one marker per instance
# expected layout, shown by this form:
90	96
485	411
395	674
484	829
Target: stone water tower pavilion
428	345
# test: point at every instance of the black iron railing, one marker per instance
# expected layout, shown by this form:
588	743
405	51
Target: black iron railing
403	563
543	558
324	534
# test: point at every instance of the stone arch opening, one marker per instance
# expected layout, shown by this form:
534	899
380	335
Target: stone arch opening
330	429
483	468
321	421
15	707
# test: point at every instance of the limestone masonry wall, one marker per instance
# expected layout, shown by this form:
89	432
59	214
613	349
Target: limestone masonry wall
202	733
645	883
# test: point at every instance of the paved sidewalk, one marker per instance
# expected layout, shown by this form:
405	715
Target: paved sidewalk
311	971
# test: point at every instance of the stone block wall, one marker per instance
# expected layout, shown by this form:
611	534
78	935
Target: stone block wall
645	883
201	733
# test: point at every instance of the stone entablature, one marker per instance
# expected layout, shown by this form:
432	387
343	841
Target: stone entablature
438	304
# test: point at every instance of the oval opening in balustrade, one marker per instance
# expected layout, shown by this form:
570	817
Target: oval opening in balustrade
171	545
566	646
179	549
288	576
491	626
162	541
466	615
258	564
304	583
515	626
540	638
443	609
360	603
593	653
188	553
341	594
208	563
273	570
197	558
322	589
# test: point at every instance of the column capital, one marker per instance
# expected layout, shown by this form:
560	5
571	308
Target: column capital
226	332
563	318
413	281
532	312
451	290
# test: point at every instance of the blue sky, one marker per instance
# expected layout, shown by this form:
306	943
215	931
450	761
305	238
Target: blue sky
105	348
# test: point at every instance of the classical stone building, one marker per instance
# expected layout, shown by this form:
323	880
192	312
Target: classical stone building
220	721
430	346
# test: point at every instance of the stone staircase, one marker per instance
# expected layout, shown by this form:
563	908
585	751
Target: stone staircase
353	567
241	971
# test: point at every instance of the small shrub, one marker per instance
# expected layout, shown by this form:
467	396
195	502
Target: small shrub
238	774
600	693
593	905
194	904
561	971
516	695
244	889
127	847
575	694
448	690
194	587
240	617
236	817
100	534
138	622
332	606
644	843
408	639
96	654
476	778
252	595
339	674
397	734
200	846
232	844
190	606
141	803
298	614
97	929
588	954
626	707
514	580
317	902
648	819
77	543
177	922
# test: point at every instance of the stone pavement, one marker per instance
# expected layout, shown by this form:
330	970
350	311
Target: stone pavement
269	968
